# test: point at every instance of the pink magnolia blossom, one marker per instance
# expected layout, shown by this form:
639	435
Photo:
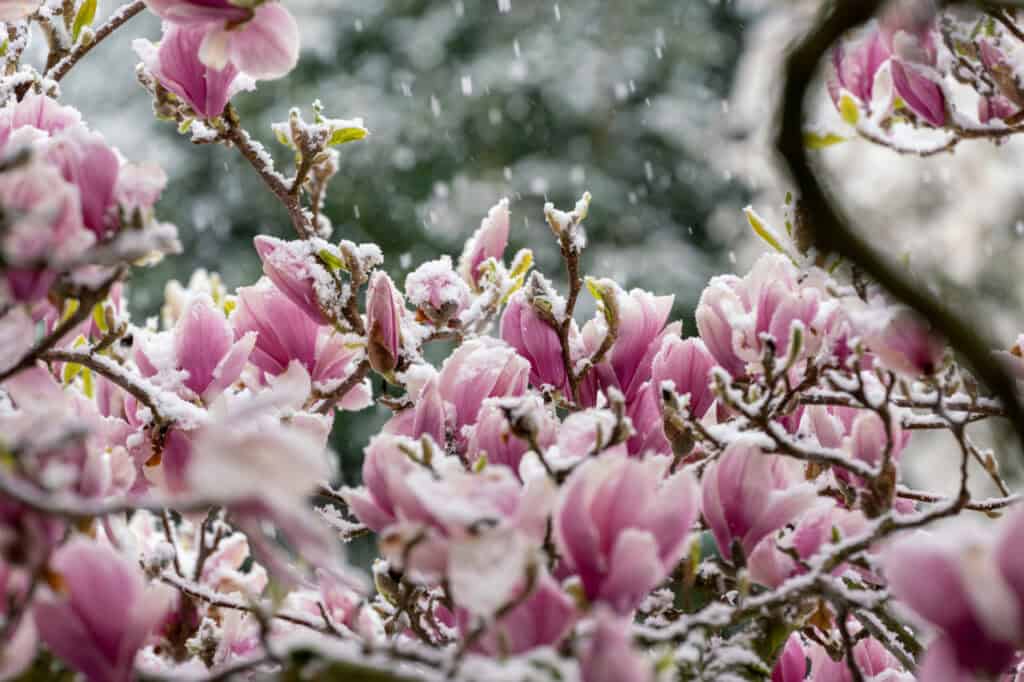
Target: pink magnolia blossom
286	333
385	494
687	365
47	228
542	619
734	314
437	291
176	65
748	495
493	436
291	268
910	40
792	664
76	623
870	655
643	319
609	654
489	241
481	368
905	343
854	68
204	355
429	415
972	596
621	526
87	162
384	312
524	329
262	41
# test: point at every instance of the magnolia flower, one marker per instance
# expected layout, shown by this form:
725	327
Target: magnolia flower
524	329
16	10
609	654
748	495
910	41
542	619
291	268
286	333
735	315
262	40
489	241
687	365
176	65
493	436
384	312
87	162
386	493
972	595
792	664
481	368
622	526
437	291
200	352
854	68
642	319
46	227
75	622
904	342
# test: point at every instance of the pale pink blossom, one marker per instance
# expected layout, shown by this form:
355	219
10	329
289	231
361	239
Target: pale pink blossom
621	526
76	623
489	241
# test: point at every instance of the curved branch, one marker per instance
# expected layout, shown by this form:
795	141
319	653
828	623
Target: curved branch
82	48
831	231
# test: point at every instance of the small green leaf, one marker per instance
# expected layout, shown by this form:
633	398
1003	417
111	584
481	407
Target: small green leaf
480	464
820	141
85	16
99	316
763	230
332	261
343	135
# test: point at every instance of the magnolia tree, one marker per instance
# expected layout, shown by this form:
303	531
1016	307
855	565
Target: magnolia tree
559	499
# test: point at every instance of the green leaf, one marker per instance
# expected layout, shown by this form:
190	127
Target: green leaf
820	141
99	316
332	261
85	16
763	230
343	135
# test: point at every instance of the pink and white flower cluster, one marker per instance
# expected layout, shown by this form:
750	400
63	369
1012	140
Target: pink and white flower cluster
621	498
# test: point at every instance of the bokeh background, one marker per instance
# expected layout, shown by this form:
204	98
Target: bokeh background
662	109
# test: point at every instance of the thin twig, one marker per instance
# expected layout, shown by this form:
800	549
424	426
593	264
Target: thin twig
82	48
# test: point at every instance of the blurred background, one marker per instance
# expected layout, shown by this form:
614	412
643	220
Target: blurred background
662	109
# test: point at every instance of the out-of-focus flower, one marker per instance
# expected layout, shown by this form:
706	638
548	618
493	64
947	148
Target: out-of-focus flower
748	495
76	623
542	619
489	241
385	492
609	655
176	65
262	40
437	291
904	342
972	595
16	10
792	664
384	312
45	228
621	526
870	655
